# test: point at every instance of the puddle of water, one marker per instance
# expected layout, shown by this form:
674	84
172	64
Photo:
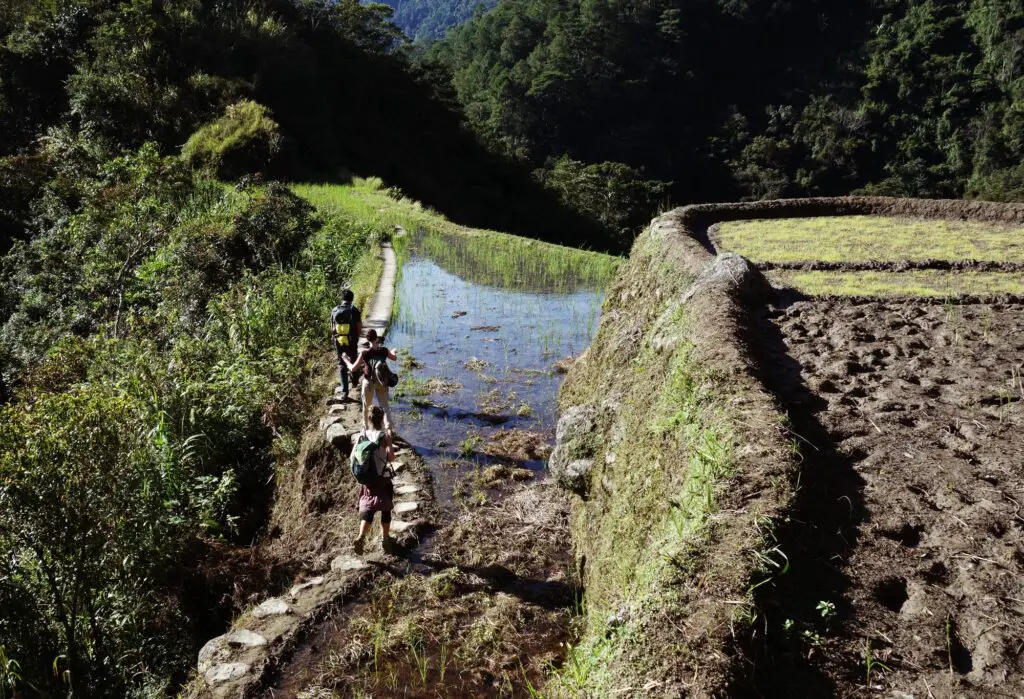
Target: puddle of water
497	347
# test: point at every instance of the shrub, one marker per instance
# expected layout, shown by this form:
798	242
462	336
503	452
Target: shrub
244	140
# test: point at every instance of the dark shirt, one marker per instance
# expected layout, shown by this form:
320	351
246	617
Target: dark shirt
373	355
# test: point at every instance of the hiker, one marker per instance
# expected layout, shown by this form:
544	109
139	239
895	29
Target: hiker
376	494
346	324
377	378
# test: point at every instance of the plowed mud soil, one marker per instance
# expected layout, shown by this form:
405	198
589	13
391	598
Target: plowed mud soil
901	570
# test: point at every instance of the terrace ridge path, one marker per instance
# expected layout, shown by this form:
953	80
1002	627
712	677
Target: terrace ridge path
239	662
378	308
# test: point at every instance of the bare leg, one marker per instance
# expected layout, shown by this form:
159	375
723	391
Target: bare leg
382	400
367	391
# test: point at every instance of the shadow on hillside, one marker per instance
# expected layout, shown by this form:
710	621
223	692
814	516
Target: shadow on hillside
817	539
379	118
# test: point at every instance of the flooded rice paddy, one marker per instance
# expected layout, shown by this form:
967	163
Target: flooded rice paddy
480	368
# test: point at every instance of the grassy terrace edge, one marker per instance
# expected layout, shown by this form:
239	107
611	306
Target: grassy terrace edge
692	466
481	256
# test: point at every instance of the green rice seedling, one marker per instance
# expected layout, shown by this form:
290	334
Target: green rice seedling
469	445
871	664
420	659
443	660
531	691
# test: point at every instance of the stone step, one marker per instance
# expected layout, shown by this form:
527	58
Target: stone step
337	434
326	422
403	507
347	562
400	525
302	587
407	489
397	466
274	606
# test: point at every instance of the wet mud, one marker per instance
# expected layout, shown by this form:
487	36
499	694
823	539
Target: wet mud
901	568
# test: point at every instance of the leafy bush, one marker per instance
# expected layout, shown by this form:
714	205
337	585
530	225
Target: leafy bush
244	140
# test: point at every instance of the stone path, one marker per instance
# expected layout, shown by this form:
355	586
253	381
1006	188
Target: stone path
377	313
235	664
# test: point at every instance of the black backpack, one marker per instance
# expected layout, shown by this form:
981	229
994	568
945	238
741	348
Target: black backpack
344	319
381	373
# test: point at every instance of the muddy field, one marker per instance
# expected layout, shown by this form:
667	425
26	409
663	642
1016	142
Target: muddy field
900	572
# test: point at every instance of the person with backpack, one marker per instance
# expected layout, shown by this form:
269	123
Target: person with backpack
377	377
346	324
370	463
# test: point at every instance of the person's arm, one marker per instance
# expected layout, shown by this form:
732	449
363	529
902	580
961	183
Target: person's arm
390	451
392	356
352	366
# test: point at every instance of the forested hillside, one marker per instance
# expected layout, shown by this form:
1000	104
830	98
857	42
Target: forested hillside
333	78
428	20
753	99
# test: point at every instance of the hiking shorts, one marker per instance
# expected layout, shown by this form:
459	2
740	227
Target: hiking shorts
385	516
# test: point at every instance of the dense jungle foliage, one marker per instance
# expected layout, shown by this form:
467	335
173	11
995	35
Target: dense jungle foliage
733	99
160	334
428	20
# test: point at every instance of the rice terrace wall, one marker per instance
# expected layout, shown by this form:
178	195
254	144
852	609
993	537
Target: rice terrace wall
797	488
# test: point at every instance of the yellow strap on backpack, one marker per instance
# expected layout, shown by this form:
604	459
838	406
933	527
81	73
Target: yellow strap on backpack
341	333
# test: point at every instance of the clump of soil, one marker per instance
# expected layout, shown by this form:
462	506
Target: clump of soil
437	384
563	365
428	403
486	328
909	518
474	364
500	473
519	445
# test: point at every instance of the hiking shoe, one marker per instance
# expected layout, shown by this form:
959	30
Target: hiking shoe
386	544
357	545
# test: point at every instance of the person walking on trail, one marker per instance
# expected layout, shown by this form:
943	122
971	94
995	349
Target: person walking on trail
377	378
377	491
346	324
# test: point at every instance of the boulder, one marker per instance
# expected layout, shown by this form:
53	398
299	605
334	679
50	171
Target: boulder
275	606
225	672
733	273
220	649
338	436
579	437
